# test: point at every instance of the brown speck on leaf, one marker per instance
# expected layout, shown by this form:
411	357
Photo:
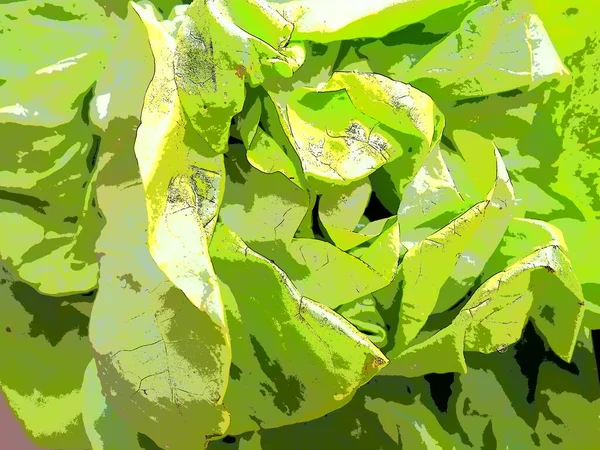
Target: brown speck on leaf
240	71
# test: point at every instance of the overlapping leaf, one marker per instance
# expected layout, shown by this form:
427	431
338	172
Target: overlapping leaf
439	270
342	133
220	46
326	111
293	359
169	349
104	427
326	22
49	145
541	286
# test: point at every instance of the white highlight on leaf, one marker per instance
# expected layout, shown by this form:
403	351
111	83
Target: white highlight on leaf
60	65
102	102
16	109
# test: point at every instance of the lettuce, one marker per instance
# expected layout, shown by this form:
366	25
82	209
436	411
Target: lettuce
250	223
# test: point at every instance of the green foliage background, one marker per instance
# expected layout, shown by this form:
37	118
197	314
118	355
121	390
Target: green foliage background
264	224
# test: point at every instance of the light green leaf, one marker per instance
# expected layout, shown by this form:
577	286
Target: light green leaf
104	428
259	206
141	334
50	148
340	211
499	47
45	350
487	414
265	210
439	270
220	46
267	156
428	200
342	133
246	122
293	359
363	314
521	238
314	267
568	400
337	20
414	426
540	285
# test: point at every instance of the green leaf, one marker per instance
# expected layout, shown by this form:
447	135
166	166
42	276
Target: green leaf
357	122
414	425
266	210
521	238
246	122
541	285
439	270
49	145
220	46
142	326
267	156
428	200
487	414
45	350
498	48
568	398
363	314
259	206
336	20
293	359
104	428
341	209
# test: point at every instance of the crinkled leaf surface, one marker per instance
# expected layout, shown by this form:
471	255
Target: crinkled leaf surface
438	271
357	122
541	285
169	349
293	359
220	45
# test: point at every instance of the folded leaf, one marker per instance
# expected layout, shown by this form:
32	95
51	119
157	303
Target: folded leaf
157	380
439	270
568	398
266	210
259	206
363	314
487	414
499	47
428	200
540	285
414	426
267	156
50	149
340	211
357	122
293	359
220	46
246	122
